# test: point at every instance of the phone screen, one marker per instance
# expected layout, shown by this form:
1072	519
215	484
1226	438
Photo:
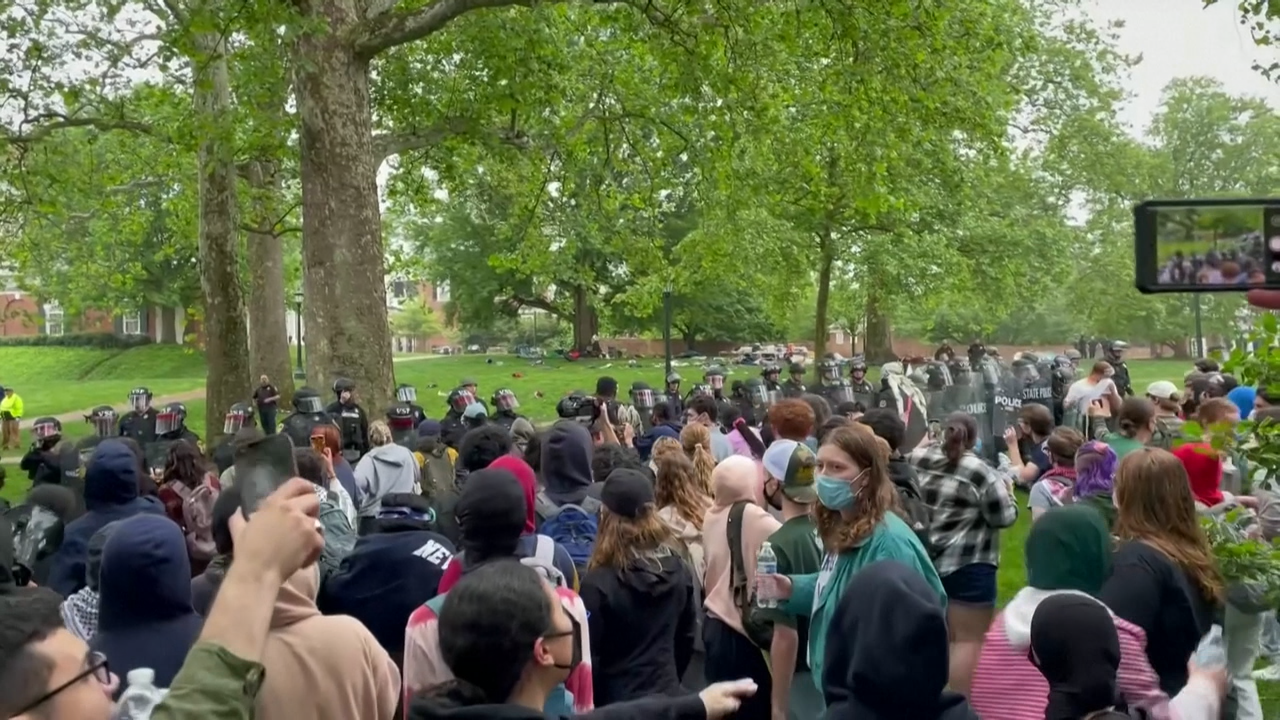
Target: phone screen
262	467
317	443
1207	245
935	429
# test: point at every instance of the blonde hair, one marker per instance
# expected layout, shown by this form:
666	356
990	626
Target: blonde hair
379	433
621	540
875	494
1154	505
664	446
696	441
675	485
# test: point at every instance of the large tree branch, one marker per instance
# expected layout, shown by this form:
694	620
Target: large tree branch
58	121
386	145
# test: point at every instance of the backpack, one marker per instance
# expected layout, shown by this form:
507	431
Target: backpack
197	517
572	526
543	560
437	473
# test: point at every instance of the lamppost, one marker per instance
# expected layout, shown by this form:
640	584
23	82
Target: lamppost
666	325
300	373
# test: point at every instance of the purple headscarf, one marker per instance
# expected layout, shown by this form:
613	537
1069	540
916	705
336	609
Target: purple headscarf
1095	469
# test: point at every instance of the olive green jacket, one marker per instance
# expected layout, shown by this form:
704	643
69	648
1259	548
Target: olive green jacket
213	684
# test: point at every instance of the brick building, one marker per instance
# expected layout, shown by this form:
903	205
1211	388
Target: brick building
22	313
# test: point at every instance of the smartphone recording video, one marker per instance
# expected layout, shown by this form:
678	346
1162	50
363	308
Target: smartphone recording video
1207	245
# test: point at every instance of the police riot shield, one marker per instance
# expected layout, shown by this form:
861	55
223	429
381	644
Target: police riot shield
37	535
1039	391
837	394
1006	404
643	400
405	437
971	399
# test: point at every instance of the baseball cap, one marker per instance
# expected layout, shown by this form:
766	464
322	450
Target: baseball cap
792	464
627	492
1162	389
474	410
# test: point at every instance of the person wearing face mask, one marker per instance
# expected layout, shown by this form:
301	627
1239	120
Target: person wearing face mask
509	644
789	488
857	526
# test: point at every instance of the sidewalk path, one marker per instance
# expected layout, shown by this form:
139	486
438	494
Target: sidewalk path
78	415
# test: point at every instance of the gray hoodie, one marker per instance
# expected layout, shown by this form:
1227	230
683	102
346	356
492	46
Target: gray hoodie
385	470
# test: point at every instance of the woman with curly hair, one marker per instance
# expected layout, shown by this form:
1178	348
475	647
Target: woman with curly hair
858	525
1165	579
696	441
636	572
681	504
186	473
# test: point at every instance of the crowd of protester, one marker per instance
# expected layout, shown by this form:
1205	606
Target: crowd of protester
584	571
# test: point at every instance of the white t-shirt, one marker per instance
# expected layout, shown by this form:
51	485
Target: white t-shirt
1082	393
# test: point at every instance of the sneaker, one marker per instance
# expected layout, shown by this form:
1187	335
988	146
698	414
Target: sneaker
1270	673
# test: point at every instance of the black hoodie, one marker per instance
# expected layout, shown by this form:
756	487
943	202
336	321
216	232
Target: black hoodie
642	622
887	650
566	463
436	708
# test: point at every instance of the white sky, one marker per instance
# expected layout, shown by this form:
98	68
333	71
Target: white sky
1181	38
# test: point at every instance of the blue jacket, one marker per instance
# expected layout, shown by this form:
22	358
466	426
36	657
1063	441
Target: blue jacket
110	494
145	619
385	578
644	443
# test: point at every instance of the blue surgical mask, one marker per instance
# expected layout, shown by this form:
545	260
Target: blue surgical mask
836	494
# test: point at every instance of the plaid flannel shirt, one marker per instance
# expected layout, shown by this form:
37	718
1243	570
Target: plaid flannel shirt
970	502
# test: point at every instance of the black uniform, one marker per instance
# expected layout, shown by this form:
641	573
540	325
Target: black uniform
140	426
299	425
353	423
1124	385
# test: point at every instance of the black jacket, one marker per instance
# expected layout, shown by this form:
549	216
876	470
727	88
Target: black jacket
437	708
353	423
642	623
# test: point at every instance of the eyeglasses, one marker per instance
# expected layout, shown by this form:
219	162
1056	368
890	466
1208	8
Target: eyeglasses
96	666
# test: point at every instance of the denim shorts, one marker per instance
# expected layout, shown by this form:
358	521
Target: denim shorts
972	585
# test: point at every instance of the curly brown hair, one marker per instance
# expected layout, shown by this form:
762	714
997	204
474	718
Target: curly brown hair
792	419
1154	505
875	493
664	445
621	540
675	485
696	441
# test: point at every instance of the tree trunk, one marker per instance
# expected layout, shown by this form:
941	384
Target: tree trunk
227	343
878	343
586	323
345	296
268	326
690	338
824	299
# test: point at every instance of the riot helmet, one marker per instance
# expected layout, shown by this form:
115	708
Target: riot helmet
459	399
241	414
738	390
470	385
673	382
504	399
400	417
307	401
140	399
1073	355
796	370
829	370
714	376
343	385
770	372
406	393
46	428
642	396
1117	348
171	418
938	375
104	420
701	389
858	365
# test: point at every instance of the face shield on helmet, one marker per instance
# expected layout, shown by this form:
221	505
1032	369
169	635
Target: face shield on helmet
308	404
830	370
140	399
46	428
643	398
459	400
233	421
400	417
505	399
700	389
105	422
169	420
714	380
406	394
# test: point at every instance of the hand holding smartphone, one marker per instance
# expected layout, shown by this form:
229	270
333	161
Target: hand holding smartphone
1209	245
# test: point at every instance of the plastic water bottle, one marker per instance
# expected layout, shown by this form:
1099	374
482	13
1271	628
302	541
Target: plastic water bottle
141	697
766	564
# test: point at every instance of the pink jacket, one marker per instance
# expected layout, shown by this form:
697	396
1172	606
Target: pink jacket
1006	686
424	666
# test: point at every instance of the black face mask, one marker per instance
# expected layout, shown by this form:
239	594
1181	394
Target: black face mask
576	637
774	501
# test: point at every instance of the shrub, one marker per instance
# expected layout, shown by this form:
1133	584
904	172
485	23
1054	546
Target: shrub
102	341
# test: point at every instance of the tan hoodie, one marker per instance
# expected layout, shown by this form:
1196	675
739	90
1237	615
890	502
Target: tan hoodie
735	479
322	667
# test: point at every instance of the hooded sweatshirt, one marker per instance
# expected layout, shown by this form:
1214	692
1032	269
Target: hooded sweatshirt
566	463
1068	551
145	619
387	575
1204	471
643	619
734	480
645	442
1243	397
891	662
385	470
528	544
80	611
110	493
322	667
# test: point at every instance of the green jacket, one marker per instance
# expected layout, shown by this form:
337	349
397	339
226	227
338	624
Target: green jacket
213	684
817	594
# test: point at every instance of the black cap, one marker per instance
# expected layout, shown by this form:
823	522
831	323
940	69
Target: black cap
626	492
606	386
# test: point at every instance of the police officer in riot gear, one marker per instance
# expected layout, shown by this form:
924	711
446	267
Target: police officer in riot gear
42	462
238	417
858	376
1073	356
1062	375
713	377
140	422
352	420
794	386
1115	356
643	400
674	400
408	395
452	427
105	424
505	403
770	373
402	422
308	411
171	424
832	385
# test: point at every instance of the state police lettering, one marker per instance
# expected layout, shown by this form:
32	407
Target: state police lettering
354	414
975	409
434	553
1037	392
